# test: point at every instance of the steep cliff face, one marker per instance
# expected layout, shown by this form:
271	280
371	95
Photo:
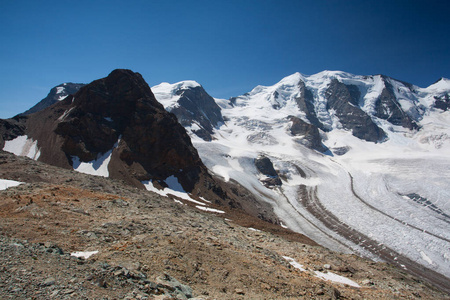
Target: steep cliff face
310	135
305	102
388	108
342	101
122	109
195	109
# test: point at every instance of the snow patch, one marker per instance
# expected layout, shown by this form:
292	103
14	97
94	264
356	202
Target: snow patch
98	167
179	192
83	254
294	263
329	276
23	146
65	114
210	209
5	183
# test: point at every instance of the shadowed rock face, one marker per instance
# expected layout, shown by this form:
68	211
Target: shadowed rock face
388	108
342	100
442	102
265	167
11	128
306	104
311	136
196	106
56	94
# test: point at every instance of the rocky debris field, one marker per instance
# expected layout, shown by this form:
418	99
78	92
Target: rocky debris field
152	247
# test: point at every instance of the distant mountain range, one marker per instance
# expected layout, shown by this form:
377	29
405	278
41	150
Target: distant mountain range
56	94
357	163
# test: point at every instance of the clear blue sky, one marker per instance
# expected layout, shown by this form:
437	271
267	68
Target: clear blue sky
227	46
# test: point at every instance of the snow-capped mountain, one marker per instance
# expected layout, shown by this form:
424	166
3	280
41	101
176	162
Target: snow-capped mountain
361	162
195	109
56	94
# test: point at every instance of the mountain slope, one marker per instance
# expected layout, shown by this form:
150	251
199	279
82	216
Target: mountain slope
114	127
143	242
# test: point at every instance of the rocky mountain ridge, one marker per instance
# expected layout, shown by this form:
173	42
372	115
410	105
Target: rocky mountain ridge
115	127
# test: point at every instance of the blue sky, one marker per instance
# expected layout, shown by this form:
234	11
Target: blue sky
227	46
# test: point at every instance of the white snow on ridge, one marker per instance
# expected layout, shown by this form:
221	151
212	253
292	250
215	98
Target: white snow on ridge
442	85
23	146
166	93
61	90
174	188
5	183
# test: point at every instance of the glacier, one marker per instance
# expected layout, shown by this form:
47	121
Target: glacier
388	201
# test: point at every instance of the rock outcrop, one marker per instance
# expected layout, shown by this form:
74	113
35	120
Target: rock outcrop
265	167
388	108
305	102
195	106
310	134
442	102
342	100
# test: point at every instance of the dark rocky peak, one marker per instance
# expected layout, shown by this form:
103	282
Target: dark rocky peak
122	107
199	108
118	95
341	99
264	165
305	102
310	135
388	108
55	95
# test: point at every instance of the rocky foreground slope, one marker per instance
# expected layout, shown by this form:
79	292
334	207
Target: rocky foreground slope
152	247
